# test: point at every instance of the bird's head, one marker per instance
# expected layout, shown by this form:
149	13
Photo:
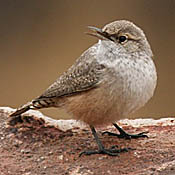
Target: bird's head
124	33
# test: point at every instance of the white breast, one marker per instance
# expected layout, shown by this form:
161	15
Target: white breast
131	79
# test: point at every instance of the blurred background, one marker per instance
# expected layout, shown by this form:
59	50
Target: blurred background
41	39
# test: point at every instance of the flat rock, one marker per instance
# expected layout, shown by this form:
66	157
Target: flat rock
41	145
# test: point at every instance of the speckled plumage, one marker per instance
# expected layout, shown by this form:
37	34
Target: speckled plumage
109	80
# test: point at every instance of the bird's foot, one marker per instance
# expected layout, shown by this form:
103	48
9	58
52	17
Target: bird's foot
125	135
111	152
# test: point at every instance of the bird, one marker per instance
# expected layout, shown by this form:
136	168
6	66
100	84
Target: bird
110	80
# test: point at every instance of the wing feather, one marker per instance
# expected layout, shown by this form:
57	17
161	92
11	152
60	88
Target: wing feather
83	75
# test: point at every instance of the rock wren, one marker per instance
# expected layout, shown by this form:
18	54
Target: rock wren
110	80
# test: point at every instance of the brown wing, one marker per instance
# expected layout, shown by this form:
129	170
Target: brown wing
78	78
83	75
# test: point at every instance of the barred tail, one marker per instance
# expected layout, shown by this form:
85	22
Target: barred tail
22	109
34	104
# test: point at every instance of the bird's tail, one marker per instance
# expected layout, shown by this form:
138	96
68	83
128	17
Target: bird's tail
22	109
16	117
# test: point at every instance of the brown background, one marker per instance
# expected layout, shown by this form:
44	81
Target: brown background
41	39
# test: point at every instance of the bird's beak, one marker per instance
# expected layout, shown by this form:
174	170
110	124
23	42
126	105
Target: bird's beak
98	33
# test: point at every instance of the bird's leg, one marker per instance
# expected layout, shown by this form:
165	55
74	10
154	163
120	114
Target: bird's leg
125	135
101	149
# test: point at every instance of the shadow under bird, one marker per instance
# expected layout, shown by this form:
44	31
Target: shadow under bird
110	80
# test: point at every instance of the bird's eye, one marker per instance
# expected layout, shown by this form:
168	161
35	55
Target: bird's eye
122	38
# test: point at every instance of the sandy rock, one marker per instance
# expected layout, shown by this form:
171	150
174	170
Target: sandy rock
41	145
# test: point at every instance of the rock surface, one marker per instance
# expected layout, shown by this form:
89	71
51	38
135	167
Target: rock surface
40	145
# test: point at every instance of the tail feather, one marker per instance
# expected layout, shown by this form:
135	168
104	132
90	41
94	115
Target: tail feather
22	109
34	104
